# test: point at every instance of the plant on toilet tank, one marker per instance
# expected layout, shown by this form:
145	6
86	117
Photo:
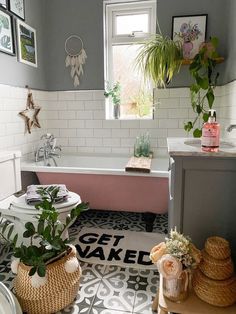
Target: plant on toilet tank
48	271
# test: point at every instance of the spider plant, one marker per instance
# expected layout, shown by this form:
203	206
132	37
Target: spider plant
159	59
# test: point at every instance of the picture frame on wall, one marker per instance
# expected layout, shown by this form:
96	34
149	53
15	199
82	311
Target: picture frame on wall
6	33
3	4
190	30
17	7
27	43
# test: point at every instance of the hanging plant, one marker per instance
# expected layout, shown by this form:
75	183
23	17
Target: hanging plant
160	59
205	80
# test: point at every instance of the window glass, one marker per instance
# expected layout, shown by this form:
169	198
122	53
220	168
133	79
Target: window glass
129	23
136	95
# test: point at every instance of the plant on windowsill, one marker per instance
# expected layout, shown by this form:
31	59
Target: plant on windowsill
115	94
48	271
205	80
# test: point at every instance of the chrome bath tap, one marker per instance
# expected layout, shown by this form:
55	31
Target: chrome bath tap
231	127
48	151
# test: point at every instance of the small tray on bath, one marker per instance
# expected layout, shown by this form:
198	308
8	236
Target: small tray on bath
139	164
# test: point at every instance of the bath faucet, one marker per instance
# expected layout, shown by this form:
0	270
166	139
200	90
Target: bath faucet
48	151
231	127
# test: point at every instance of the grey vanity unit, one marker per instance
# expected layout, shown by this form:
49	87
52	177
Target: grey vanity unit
202	191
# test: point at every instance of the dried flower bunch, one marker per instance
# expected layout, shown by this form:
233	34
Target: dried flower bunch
174	255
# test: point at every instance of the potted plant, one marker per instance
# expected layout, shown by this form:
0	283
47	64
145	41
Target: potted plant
115	94
47	270
159	59
205	80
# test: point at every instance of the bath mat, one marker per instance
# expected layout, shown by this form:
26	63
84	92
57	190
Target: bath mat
117	247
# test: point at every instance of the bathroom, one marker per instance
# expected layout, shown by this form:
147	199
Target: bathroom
80	118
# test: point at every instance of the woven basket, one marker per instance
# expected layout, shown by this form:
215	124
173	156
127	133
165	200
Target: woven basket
217	247
59	291
215	268
219	293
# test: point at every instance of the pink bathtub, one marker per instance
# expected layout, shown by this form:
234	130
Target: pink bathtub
103	182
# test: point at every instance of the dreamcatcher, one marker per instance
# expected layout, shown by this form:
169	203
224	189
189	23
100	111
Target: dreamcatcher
76	57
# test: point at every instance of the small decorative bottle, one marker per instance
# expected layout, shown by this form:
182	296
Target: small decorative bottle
211	133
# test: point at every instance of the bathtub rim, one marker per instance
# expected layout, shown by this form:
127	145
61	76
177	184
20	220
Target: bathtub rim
29	165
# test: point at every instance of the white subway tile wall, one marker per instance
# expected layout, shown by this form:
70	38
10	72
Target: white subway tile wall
77	119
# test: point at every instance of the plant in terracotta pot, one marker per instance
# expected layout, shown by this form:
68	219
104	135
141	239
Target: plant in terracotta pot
115	94
205	80
48	271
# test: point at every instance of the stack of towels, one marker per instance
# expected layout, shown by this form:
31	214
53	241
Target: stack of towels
33	197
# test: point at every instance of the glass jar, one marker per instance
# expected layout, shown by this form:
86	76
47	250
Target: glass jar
177	290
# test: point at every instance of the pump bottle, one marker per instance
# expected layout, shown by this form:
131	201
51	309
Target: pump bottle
211	133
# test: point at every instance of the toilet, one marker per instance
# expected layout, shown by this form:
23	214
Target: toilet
15	209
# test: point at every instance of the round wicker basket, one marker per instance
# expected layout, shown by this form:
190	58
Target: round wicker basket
217	247
219	293
59	291
215	268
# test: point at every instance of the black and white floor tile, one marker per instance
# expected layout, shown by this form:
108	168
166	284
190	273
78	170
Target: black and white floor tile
108	289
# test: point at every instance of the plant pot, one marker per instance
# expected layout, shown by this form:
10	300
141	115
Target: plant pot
58	292
177	290
116	111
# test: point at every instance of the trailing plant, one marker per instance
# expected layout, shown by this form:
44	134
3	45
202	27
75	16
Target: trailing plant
205	80
114	92
160	59
50	234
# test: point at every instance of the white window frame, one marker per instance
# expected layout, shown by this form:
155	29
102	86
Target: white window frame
112	9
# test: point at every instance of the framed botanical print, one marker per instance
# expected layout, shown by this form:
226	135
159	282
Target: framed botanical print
17	7
27	44
191	31
6	33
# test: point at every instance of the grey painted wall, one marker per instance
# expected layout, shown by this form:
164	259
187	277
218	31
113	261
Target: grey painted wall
217	11
18	74
85	19
230	64
55	20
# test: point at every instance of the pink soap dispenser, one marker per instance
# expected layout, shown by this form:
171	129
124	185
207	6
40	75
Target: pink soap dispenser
211	133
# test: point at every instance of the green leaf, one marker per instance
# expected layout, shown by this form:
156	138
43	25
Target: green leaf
30	226
32	271
5	227
15	239
41	270
203	82
28	233
205	117
10	232
188	126
198	109
197	133
41	227
210	97
215	41
195	88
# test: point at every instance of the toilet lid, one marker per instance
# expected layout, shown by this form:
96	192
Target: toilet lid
20	204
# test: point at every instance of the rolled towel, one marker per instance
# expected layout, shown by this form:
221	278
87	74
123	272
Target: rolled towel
33	197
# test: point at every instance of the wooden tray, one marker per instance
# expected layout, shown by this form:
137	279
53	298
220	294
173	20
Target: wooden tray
139	164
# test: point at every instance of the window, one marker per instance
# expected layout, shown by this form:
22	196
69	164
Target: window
127	24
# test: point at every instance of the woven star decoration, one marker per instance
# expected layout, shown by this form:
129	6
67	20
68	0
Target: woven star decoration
30	114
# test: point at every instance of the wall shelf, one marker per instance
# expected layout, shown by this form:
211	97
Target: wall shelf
189	61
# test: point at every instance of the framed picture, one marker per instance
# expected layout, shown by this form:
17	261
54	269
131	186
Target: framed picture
191	31
27	45
17	7
6	33
3	3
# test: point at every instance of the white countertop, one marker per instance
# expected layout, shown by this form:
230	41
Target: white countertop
191	147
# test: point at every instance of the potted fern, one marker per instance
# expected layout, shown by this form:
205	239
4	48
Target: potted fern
160	59
47	270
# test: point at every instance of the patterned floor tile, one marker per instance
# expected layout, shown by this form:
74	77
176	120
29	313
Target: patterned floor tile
115	294
92	270
97	310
